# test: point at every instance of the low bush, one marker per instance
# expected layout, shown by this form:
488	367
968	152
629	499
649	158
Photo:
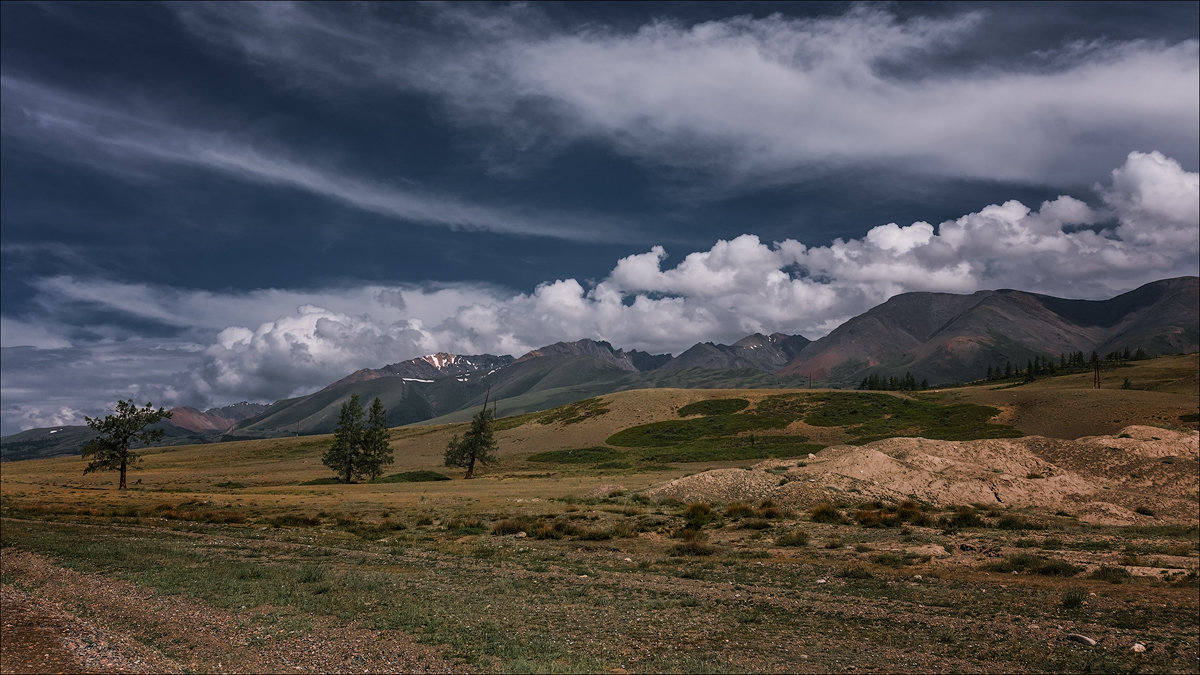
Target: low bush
737	510
963	516
878	514
699	514
1112	574
826	513
693	547
509	526
855	572
1073	596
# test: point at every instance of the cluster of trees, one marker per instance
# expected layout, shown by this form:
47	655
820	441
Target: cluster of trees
360	447
875	382
1075	362
359	450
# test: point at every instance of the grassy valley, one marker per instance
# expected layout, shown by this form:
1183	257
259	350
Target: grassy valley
659	530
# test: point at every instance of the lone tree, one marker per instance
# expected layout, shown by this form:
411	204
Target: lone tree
359	451
110	451
476	446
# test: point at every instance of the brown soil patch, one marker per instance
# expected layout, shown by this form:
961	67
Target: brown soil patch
1101	479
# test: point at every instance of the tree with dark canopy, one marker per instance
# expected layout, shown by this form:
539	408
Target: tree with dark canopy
358	450
111	450
477	445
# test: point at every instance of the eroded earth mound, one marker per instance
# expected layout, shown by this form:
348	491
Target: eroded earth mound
1140	475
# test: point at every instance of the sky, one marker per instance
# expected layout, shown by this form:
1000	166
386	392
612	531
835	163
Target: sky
202	204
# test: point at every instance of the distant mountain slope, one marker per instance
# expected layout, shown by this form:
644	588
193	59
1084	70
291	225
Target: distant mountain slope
214	420
757	351
944	337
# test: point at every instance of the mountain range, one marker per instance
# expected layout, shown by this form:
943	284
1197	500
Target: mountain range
939	337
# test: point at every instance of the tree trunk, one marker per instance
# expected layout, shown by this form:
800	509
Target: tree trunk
122	485
471	468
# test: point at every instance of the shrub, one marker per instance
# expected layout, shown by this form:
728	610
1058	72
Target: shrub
878	514
1112	574
508	526
768	509
736	510
1073	597
834	542
466	526
855	572
893	559
826	513
1010	522
1022	562
699	514
792	538
755	524
963	516
693	547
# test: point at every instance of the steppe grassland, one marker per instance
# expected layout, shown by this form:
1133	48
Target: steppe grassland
615	580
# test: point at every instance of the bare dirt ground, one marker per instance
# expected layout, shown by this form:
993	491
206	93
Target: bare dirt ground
46	633
1100	479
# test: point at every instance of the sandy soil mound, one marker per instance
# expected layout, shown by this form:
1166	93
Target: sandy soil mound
1100	479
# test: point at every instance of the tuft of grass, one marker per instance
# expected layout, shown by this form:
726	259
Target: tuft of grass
963	516
510	526
1028	562
738	510
699	514
826	513
1072	597
694	547
878	514
855	572
1112	574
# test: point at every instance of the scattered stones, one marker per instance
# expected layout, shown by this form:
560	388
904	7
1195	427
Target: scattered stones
1138	647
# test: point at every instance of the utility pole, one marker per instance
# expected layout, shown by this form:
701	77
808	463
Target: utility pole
1096	367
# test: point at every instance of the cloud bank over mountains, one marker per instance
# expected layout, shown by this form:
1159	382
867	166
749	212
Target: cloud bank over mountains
271	344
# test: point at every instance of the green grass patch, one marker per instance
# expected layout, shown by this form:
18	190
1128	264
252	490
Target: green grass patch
871	417
575	412
590	455
715	406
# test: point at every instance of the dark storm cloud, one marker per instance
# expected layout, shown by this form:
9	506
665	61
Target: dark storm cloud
205	203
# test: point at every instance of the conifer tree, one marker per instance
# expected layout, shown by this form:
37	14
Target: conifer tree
376	453
346	452
477	445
